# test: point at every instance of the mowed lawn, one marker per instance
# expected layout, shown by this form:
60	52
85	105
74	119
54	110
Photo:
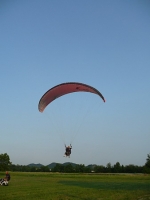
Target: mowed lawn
59	186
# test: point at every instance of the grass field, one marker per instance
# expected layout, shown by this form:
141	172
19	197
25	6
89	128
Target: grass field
55	186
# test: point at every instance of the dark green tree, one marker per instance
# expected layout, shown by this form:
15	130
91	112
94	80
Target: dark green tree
99	169
117	167
147	164
108	168
44	169
87	170
57	168
69	168
146	168
4	162
81	168
33	169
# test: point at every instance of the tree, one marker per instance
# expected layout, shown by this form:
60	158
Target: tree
117	167
4	162
81	168
146	168
68	168
147	164
99	169
57	168
44	169
108	167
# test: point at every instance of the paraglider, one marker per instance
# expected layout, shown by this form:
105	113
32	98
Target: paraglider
63	89
68	151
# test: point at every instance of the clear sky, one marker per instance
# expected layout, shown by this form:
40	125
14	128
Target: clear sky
103	43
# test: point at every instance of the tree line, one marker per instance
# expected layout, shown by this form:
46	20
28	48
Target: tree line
5	164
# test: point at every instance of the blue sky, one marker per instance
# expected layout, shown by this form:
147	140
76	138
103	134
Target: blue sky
105	44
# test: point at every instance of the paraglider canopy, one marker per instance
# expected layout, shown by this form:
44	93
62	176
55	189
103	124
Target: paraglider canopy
65	88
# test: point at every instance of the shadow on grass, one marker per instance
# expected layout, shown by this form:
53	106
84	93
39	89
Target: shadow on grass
108	185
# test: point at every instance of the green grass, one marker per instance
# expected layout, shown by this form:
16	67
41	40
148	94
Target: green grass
55	186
